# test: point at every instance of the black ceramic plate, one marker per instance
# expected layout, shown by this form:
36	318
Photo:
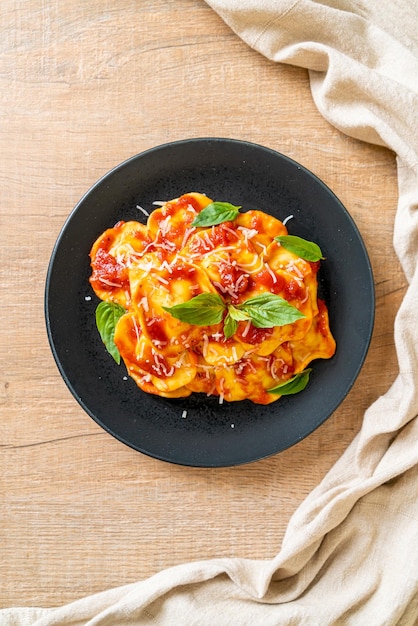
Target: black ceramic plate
211	435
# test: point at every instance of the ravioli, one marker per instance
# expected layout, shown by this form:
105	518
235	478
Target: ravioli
149	269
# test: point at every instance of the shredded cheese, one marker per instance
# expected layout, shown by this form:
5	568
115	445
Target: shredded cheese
109	283
270	271
144	211
286	219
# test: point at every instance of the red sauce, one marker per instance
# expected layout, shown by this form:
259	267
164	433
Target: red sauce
139	234
107	268
106	241
219	236
199	246
315	265
176	230
156	365
135	332
294	290
186	200
277	286
232	279
290	290
219	337
127	340
167	210
323	326
223	234
256	222
182	271
280	368
150	362
177	233
156	330
182	203
195	290
253	335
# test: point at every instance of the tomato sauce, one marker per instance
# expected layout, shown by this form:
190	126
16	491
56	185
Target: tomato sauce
187	200
289	289
252	334
276	285
256	222
182	271
323	324
156	331
294	291
233	280
106	268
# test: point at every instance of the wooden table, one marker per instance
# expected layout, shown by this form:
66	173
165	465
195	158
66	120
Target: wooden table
85	85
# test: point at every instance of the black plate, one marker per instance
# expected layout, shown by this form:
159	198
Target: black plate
211	435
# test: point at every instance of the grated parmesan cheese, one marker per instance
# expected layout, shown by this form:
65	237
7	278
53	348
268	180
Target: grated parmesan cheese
165	265
162	280
165	225
136	329
293	268
205	345
248	233
144	211
187	233
144	303
270	271
109	283
286	219
231	232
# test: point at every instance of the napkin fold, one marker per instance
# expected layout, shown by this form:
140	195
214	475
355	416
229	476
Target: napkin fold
350	553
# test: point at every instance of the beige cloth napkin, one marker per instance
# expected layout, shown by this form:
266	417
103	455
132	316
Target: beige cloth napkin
350	554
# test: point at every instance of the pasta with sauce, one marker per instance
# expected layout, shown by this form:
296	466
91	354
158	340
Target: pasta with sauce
149	269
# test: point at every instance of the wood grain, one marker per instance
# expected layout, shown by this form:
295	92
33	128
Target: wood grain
83	86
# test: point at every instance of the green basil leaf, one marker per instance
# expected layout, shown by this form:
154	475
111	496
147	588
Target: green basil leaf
236	314
230	326
307	250
216	213
202	310
107	316
267	310
293	385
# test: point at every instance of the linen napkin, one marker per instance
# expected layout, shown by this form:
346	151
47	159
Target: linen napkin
350	553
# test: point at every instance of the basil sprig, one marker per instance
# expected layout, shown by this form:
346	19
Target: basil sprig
307	250
293	385
264	310
202	310
216	213
232	318
267	310
107	316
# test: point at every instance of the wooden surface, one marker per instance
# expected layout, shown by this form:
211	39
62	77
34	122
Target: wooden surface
85	85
